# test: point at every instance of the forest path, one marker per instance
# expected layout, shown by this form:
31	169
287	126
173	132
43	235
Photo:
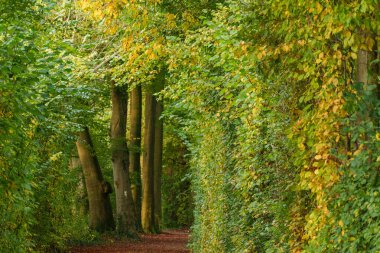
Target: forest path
169	241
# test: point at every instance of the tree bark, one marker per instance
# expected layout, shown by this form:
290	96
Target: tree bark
135	150
125	217
362	72
98	189
158	145
147	208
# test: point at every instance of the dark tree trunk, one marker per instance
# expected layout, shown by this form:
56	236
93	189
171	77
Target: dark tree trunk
158	145
125	217
147	208
135	150
98	190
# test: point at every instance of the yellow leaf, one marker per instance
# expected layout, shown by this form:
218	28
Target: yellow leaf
319	8
318	157
98	14
339	55
285	48
301	42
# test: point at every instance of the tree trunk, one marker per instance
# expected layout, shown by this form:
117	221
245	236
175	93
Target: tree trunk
135	150
158	145
147	208
125	217
362	72
98	189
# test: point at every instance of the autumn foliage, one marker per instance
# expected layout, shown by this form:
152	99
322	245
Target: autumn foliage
271	114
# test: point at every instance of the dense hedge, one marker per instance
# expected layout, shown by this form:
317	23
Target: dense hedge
284	136
38	210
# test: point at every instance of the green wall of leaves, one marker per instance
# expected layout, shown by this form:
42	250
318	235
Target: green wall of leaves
284	140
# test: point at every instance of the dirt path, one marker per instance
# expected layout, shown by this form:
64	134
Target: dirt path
171	241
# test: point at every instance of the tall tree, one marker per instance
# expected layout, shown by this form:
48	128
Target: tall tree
135	149
147	206
125	216
158	144
98	189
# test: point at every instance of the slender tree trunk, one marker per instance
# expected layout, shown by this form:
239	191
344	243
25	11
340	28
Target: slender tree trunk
362	77
158	145
362	72
147	208
98	190
135	150
125	217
